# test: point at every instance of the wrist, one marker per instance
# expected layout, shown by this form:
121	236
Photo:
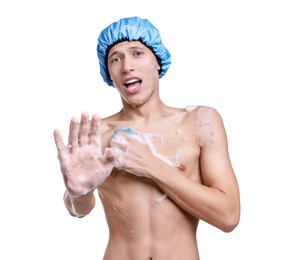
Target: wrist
71	202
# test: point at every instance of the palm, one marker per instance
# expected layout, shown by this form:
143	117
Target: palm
82	164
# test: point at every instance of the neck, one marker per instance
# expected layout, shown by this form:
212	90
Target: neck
147	111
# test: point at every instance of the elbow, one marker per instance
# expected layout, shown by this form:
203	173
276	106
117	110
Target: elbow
231	217
230	222
229	226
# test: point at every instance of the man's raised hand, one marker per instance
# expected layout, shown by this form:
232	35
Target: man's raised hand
81	161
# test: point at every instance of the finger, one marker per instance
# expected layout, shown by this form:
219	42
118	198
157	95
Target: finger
73	134
118	141
95	132
59	141
109	154
114	155
84	129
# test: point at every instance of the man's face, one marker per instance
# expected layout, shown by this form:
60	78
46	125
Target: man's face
134	70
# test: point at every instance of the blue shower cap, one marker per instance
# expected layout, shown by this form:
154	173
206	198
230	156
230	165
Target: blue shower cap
131	29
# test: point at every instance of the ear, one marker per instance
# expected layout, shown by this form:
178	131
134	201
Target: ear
158	66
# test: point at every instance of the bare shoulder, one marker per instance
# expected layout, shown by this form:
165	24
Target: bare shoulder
209	123
203	114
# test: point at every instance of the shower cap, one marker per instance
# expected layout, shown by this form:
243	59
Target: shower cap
131	29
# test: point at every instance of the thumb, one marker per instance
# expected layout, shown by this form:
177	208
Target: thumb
114	155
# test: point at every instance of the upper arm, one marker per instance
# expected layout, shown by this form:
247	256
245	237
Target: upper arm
216	168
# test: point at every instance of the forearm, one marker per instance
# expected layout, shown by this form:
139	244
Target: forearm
79	207
212	205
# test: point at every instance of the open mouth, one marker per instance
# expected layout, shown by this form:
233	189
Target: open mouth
132	85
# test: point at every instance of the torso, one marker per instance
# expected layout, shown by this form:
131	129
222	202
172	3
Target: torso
143	222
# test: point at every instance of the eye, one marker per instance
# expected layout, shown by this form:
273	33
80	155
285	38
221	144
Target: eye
138	53
115	59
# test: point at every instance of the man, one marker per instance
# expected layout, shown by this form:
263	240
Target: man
158	169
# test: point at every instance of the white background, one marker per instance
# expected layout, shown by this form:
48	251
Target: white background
232	55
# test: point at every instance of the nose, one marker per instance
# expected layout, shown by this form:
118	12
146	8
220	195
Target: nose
128	65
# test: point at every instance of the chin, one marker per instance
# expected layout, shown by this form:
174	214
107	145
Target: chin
134	103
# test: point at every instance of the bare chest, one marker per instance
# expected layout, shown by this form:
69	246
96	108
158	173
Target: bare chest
124	193
175	144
